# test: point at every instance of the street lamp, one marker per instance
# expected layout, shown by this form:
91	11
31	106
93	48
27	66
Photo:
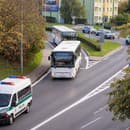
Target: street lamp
21	45
73	19
44	8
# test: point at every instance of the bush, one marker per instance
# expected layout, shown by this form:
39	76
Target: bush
107	26
120	19
51	19
89	42
49	29
80	21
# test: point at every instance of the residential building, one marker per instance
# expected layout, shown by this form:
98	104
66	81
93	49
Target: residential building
100	10
97	10
110	8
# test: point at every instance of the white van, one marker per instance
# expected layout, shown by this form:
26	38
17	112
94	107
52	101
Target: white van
15	98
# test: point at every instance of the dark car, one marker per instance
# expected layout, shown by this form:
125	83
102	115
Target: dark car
102	31
89	29
127	40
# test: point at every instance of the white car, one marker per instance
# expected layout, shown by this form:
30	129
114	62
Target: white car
110	35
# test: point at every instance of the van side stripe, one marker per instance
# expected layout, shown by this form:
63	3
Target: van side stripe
21	101
24	99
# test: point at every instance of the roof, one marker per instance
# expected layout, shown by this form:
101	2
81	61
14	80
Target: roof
69	46
12	84
63	28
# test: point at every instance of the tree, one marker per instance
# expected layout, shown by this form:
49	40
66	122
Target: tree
71	8
119	97
128	7
12	16
122	7
120	19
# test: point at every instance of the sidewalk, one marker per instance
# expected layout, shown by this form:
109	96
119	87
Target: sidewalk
43	67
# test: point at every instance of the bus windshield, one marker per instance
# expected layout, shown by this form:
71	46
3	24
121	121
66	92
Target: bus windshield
62	59
4	100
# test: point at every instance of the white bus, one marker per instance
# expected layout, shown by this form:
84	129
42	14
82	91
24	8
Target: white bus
60	33
15	98
65	59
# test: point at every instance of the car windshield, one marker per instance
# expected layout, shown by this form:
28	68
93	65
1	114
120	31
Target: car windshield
4	100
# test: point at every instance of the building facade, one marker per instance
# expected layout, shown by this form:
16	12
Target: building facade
96	10
100	10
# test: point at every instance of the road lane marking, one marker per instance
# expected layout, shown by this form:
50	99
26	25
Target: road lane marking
94	92
91	122
86	58
100	109
128	128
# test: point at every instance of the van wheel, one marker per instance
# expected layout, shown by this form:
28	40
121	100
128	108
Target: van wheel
11	120
27	109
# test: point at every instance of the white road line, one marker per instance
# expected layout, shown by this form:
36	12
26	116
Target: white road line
94	92
86	58
128	128
91	122
100	109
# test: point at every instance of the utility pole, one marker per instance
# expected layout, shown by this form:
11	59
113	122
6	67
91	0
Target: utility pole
21	45
113	9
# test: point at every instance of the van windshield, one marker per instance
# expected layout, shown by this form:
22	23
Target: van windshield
4	100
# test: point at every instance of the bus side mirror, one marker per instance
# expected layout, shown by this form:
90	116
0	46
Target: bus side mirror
49	57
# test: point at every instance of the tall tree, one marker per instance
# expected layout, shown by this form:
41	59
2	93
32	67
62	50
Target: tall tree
119	97
15	15
122	7
71	8
128	7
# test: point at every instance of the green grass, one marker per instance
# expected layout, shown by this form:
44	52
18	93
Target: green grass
107	47
8	69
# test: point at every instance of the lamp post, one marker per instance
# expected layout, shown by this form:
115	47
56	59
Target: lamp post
21	45
44	8
113	8
73	19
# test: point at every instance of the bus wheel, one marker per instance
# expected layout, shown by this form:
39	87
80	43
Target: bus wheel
27	109
11	120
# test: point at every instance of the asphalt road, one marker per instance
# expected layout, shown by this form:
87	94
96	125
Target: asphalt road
55	105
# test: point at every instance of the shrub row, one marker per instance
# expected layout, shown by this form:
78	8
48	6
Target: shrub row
94	44
122	27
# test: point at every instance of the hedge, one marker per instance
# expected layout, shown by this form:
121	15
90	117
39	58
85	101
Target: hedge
94	44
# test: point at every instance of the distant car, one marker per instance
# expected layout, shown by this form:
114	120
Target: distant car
110	35
127	40
89	29
102	31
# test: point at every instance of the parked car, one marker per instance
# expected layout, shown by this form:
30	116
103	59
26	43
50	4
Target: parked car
110	35
89	29
102	31
127	40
